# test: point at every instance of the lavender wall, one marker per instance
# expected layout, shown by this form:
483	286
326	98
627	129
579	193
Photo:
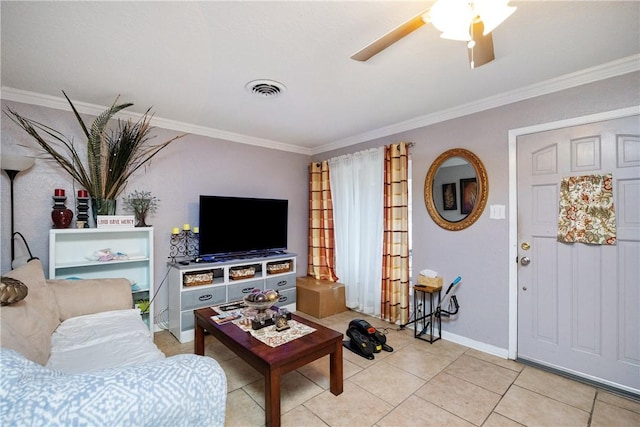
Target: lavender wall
480	253
196	165
189	167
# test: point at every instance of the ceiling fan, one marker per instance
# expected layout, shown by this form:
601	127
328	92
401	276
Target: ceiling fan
465	20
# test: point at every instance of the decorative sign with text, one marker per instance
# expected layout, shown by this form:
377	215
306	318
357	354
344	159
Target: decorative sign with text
116	221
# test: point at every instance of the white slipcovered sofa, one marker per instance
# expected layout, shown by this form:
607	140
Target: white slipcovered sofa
74	352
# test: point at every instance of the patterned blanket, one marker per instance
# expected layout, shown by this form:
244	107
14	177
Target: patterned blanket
184	390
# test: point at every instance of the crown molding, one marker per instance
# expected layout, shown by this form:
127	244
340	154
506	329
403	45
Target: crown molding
60	103
611	69
229	136
616	68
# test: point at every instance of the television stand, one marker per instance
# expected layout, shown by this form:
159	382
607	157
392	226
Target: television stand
209	283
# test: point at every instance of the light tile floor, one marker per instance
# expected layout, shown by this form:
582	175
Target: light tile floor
418	384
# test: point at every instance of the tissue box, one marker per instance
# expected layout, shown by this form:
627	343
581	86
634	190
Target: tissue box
430	282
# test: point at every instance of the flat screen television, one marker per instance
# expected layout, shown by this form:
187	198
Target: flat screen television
240	226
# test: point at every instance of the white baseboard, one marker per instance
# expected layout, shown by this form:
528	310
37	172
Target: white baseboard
476	345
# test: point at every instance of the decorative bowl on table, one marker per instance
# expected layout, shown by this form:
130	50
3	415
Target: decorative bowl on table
261	300
260	306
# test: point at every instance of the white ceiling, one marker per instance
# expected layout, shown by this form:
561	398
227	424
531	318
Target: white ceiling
191	61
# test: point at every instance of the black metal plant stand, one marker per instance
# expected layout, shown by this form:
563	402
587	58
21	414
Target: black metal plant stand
430	324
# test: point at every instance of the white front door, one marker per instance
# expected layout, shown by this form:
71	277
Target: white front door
579	304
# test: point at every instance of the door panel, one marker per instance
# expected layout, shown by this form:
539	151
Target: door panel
629	316
544	291
586	301
578	304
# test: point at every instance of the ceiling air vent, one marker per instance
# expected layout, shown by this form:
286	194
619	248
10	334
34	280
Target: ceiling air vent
265	88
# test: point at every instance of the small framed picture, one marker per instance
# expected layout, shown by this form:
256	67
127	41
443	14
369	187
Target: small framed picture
468	194
449	197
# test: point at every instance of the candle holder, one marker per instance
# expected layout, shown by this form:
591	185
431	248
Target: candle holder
60	215
82	208
184	245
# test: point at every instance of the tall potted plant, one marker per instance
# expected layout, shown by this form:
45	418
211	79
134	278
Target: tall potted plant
113	155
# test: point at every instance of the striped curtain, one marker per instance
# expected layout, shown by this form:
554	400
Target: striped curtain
321	258
395	258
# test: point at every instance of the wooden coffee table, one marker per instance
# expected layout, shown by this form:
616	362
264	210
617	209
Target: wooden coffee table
273	362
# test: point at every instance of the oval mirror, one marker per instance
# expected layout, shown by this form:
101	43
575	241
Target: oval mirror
456	189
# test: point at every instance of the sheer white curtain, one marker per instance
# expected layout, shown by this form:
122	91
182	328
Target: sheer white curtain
357	187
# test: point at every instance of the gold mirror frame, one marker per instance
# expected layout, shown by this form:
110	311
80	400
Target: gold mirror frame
483	189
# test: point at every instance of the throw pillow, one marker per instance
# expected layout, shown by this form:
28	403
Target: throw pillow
26	326
12	290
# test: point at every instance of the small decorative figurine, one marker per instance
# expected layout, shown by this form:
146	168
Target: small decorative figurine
281	322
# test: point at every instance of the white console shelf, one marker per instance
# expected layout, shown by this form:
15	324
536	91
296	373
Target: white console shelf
184	299
71	250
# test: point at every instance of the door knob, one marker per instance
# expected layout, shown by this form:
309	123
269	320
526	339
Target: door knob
525	261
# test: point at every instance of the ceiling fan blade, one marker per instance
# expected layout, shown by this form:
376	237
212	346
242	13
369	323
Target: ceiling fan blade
390	38
482	52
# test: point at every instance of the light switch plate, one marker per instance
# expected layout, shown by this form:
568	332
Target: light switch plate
497	211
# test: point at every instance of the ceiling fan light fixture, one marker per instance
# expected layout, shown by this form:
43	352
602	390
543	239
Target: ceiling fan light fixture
459	34
453	18
470	21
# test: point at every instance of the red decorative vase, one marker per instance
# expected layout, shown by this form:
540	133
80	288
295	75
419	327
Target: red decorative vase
61	217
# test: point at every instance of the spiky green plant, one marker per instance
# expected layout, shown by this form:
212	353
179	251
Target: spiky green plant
112	156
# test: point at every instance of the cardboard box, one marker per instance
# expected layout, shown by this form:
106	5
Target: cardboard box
319	298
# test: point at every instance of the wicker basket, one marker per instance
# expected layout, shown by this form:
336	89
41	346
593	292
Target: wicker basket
242	273
278	267
197	278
